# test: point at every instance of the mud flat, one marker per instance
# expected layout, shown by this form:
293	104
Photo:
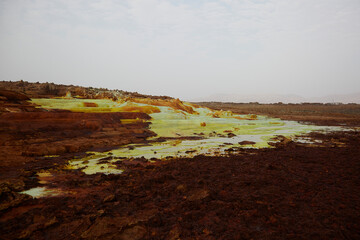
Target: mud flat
138	167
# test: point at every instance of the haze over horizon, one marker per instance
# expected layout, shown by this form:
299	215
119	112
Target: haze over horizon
185	49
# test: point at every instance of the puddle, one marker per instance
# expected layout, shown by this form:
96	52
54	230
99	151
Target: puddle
40	192
44	177
307	140
91	165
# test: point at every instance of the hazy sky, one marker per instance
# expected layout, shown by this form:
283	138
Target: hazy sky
185	48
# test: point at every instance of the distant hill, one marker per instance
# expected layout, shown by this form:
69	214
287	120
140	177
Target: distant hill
275	98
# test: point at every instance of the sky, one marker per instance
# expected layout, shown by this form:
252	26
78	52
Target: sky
185	48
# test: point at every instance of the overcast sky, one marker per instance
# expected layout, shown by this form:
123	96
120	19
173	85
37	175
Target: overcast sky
185	48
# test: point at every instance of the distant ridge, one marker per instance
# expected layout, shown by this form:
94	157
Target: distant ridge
275	98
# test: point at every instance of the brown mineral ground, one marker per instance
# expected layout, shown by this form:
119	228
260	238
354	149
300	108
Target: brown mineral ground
294	190
315	113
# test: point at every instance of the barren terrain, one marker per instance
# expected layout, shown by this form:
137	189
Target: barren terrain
287	187
316	113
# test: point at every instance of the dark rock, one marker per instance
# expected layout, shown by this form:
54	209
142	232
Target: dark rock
230	135
13	96
247	143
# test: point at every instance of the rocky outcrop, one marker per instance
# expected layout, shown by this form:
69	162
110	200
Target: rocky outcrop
44	90
26	137
12	95
48	133
12	101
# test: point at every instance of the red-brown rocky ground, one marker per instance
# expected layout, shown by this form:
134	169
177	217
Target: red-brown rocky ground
290	192
293	191
25	135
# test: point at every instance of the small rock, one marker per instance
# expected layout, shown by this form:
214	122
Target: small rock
134	233
230	135
198	195
181	188
90	104
101	212
247	143
109	198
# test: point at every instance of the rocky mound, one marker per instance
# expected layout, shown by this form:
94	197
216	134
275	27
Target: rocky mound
48	90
